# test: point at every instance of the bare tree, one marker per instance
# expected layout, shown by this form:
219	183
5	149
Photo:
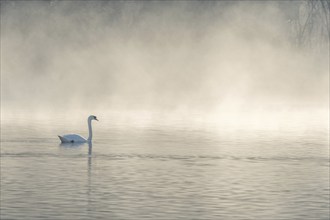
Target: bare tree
310	25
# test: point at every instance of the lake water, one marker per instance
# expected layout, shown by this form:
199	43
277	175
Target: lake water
163	171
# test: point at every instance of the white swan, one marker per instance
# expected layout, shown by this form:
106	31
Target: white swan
75	138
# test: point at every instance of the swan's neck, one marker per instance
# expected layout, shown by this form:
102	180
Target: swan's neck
90	135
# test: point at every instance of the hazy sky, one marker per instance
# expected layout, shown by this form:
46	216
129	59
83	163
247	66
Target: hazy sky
159	55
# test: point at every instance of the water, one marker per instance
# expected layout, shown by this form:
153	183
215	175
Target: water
163	171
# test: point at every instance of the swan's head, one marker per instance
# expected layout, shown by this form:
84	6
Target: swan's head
92	117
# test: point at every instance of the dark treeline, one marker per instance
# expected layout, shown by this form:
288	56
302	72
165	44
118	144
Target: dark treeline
307	22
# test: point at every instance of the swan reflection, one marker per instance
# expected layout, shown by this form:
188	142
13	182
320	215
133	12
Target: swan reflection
78	146
89	176
71	145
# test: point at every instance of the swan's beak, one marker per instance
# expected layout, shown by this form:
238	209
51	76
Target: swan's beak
96	119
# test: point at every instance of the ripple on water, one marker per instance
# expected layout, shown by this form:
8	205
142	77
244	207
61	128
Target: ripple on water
141	175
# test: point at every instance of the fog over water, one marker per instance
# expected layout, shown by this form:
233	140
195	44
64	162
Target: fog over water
215	58
207	109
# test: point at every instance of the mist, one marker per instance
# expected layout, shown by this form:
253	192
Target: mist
229	59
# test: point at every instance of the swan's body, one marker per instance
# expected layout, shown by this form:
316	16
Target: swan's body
72	138
75	138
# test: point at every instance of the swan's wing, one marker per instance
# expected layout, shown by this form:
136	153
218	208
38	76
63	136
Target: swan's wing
72	138
63	140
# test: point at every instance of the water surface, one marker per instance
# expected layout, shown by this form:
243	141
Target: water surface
163	171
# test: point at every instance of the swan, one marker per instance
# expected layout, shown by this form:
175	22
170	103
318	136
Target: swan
75	138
